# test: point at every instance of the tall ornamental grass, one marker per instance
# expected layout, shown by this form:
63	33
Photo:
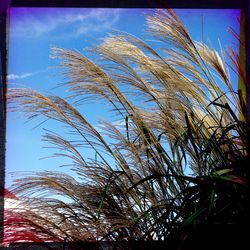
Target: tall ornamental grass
176	162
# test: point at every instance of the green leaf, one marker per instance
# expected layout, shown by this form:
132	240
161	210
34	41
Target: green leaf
195	180
126	120
191	219
212	201
233	178
221	172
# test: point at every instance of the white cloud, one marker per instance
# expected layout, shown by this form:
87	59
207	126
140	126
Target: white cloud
62	22
19	76
119	124
99	21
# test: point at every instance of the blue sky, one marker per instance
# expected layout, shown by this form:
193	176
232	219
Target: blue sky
34	31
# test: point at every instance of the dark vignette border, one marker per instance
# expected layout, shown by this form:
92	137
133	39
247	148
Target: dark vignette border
194	4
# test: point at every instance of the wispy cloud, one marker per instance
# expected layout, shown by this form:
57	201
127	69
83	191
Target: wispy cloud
28	22
19	76
25	75
119	124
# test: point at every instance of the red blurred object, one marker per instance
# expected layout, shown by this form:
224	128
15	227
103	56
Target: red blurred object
9	195
18	229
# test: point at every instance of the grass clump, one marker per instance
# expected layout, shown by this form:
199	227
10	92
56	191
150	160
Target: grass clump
173	168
